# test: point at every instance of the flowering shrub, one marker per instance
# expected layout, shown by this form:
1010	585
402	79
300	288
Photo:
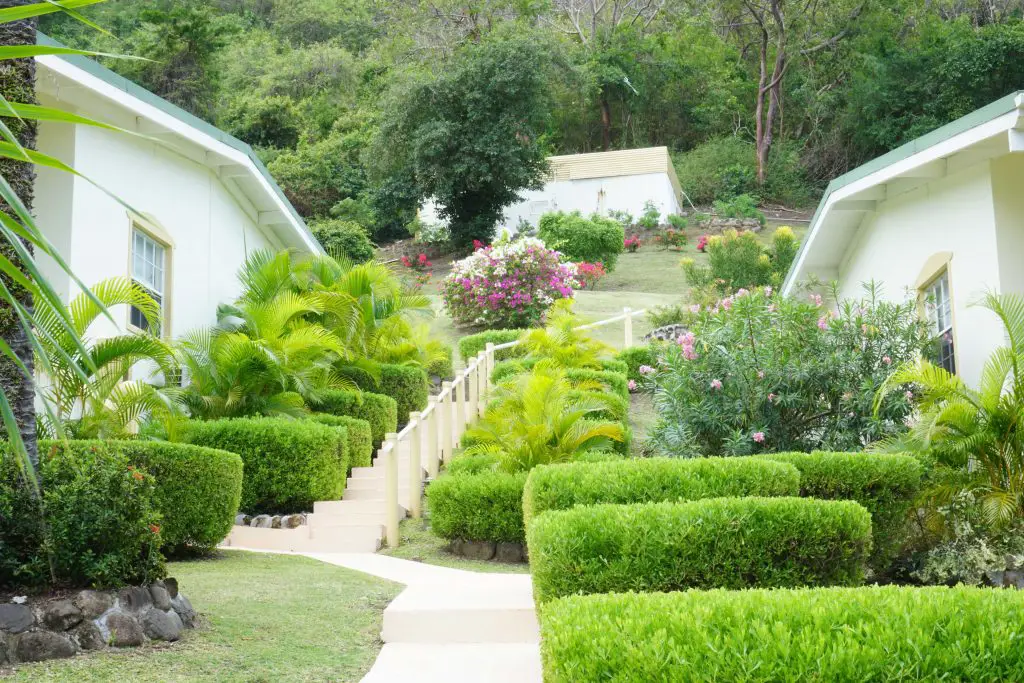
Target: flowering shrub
759	372
507	284
671	239
702	243
589	274
478	245
419	264
632	243
739	260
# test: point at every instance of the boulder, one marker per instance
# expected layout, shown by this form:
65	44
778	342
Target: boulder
41	645
15	618
292	521
89	636
183	607
135	598
161	625
61	615
242	519
509	552
172	587
161	598
478	550
275	522
3	649
125	630
93	603
261	522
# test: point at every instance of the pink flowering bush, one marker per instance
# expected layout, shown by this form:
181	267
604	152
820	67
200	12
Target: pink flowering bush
589	274
762	373
508	285
632	243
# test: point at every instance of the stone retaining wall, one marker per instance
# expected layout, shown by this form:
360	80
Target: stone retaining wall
42	627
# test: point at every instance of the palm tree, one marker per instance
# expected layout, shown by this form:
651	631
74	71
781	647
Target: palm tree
99	402
563	342
977	431
540	417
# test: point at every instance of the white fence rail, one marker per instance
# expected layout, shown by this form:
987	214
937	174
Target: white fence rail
431	436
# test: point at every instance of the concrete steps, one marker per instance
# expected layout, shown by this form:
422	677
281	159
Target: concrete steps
457	663
305	540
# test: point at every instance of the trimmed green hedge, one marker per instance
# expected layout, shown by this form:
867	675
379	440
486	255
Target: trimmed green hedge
289	464
510	368
884	484
654	480
473	344
408	385
360	437
379	410
634	357
473	464
614	381
592	239
477	507
713	543
760	636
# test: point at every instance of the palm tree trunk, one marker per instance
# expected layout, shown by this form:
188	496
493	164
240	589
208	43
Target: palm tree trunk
17	84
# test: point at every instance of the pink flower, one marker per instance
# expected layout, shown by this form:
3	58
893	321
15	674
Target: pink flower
645	370
632	385
909	395
771	398
741	292
816	298
695	308
768	290
760	374
758	437
823	322
727	303
887	360
716	384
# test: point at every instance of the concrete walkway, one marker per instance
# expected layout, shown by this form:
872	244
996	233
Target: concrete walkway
451	625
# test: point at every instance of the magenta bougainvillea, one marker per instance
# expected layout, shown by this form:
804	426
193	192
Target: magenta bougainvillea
508	285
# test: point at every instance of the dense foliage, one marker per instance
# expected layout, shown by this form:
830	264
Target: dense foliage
593	239
360	437
482	506
737	260
471	345
828	634
344	239
381	412
765	373
507	285
714	543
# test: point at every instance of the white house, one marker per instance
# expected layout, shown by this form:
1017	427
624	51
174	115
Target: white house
200	199
940	218
623	180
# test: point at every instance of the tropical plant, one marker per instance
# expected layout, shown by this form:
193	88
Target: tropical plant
563	344
540	417
738	260
86	387
651	216
978	432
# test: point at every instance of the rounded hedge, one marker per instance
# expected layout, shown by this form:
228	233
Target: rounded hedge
360	437
714	543
487	506
654	480
379	410
471	345
342	238
634	358
884	484
288	464
595	239
613	381
408	385
515	366
760	636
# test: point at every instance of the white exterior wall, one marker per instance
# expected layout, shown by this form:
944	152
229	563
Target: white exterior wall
210	232
954	214
620	193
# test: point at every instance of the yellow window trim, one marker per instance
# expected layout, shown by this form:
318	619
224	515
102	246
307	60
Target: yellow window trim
937	265
151	227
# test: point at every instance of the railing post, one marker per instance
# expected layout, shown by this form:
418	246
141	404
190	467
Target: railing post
481	383
415	466
389	451
472	402
460	407
445	425
489	367
629	327
432	447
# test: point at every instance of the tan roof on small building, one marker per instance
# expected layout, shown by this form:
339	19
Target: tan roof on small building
625	162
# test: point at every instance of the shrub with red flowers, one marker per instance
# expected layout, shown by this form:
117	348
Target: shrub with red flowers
507	285
702	243
478	245
420	263
671	239
589	274
632	244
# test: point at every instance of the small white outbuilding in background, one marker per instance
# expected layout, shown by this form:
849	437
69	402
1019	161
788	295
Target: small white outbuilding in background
600	182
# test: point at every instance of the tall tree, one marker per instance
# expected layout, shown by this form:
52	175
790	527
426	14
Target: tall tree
17	84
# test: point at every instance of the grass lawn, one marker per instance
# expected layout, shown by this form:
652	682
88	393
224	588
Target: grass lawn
419	544
265	618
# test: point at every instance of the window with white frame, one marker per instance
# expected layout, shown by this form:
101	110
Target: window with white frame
939	306
149	259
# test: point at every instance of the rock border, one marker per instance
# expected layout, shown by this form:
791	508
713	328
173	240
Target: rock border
503	552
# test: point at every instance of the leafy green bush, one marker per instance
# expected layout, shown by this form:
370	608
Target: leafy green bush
614	408
473	344
380	411
886	485
654	480
471	463
738	261
196	489
98	525
408	385
289	464
678	222
651	216
615	382
714	543
595	239
821	634
346	239
486	506
636	357
360	437
740	206
510	368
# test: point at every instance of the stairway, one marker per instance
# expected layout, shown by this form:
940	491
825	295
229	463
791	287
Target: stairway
354	524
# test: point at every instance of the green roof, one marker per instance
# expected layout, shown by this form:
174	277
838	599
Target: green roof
96	69
1003	105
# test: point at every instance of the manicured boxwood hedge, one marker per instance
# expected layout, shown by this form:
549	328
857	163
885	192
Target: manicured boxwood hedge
477	507
634	357
289	464
197	489
360	437
379	410
614	381
757	636
884	484
654	480
509	368
473	344
713	543
408	385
